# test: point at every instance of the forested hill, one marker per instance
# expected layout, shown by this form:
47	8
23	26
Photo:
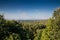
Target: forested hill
43	21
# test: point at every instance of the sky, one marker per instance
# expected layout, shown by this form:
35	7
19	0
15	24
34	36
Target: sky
28	9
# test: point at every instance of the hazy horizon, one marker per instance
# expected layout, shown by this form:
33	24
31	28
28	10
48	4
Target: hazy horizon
28	9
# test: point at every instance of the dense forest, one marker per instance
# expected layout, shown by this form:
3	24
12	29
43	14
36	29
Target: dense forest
44	30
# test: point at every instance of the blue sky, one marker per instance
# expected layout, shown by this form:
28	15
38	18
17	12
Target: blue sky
28	9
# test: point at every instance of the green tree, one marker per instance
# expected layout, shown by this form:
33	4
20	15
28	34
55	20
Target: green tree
13	36
38	34
52	31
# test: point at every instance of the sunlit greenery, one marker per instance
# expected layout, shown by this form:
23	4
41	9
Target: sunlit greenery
41	30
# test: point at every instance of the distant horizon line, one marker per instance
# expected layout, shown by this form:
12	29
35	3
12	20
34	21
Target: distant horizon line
26	19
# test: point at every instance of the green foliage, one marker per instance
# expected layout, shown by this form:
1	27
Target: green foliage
56	13
40	30
14	30
38	34
52	31
13	36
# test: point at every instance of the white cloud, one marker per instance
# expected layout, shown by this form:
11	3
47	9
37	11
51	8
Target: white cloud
25	15
16	15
